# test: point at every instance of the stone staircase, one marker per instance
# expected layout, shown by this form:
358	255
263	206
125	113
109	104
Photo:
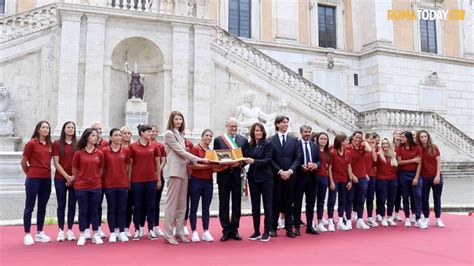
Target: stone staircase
327	107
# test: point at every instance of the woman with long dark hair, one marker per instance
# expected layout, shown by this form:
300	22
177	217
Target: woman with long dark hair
87	168
432	177
370	159
36	164
115	184
340	180
259	154
409	161
63	152
322	176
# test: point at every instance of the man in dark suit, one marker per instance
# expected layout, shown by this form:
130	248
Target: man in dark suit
229	182
306	183
286	159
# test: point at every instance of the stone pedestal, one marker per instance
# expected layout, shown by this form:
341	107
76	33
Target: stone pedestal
9	143
136	112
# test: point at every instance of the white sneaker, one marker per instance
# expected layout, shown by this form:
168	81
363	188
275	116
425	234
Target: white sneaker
117	231
122	237
127	232
354	216
413	218
96	239
186	231
349	225
426	221
101	233
325	222
320	228
142	231
206	236
136	236
195	237
341	226
398	218
421	224
281	223
407	222
391	221
378	218
60	237
82	240
152	235
174	231
331	226
70	235
113	238
28	240
372	223
439	223
87	233
384	222
42	237
158	231
361	225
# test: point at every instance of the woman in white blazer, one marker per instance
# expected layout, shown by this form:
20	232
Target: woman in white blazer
176	172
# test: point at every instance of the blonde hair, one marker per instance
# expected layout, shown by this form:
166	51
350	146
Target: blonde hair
391	153
131	137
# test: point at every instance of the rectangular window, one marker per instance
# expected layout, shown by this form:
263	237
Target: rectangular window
300	71
327	26
239	18
356	79
428	36
2	6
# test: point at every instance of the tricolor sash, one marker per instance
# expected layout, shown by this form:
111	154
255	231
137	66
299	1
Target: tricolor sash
229	141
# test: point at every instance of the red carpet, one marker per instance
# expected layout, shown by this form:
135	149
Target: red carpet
452	245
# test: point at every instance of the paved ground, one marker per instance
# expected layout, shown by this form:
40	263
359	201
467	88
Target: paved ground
458	194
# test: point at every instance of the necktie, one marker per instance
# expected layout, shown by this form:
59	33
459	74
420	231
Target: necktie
306	151
283	142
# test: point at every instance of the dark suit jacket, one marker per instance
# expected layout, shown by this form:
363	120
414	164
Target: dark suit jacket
262	154
232	175
286	157
315	158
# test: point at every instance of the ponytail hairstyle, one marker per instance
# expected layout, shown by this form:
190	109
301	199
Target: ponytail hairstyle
122	129
112	131
62	138
142	128
429	144
338	140
391	153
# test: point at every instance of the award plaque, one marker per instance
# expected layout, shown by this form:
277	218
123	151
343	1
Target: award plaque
225	156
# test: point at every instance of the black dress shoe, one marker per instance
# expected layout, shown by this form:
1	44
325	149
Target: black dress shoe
297	232
225	237
310	230
236	236
290	234
273	234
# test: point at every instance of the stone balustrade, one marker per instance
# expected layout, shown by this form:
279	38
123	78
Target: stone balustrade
430	121
28	22
277	71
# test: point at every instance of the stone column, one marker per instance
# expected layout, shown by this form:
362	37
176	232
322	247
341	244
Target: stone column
468	29
377	30
94	72
202	79
180	69
68	68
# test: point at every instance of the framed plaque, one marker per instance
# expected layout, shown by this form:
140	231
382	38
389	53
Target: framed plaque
225	156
